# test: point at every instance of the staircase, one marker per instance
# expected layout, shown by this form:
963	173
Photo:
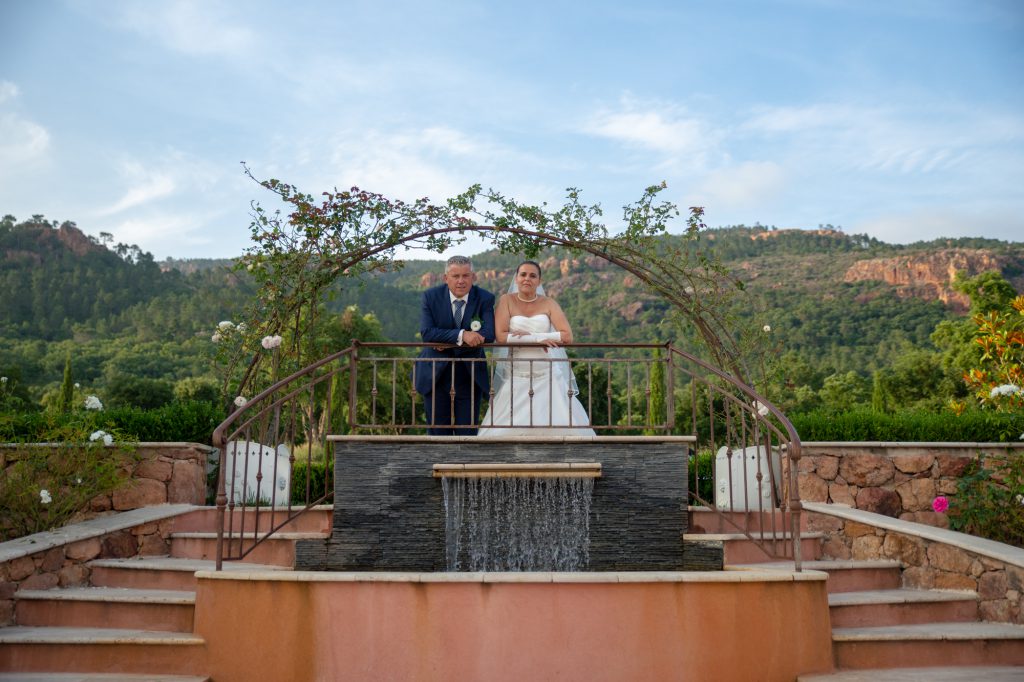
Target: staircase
877	625
135	618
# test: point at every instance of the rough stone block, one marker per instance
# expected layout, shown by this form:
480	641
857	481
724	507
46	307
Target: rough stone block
948	558
156	469
812	488
952	466
917	494
866	470
840	493
83	550
854	529
913	463
73	575
996	611
919	577
153	545
835	547
7	589
188	483
911	551
949	580
138	493
879	501
867	547
53	559
827	467
120	545
21	568
6	611
993	585
40	581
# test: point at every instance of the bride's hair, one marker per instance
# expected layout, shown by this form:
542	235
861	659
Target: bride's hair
529	262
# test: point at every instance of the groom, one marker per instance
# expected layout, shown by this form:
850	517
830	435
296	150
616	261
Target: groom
461	314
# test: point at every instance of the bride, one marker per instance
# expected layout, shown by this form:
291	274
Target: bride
533	384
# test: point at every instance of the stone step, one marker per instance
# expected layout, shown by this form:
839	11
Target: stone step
901	607
949	674
107	607
161	573
314	520
739	549
706	520
848	575
278	549
97	677
932	644
101	650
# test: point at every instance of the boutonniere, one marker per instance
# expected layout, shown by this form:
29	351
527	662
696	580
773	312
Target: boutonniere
476	324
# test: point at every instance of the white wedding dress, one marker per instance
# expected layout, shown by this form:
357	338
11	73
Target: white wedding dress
536	392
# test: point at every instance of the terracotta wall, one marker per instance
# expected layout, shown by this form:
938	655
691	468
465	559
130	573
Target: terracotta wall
894	479
383	628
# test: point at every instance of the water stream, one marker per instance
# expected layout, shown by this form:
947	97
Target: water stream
517	523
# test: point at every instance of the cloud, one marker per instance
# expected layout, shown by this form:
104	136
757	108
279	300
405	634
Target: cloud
888	140
662	129
8	91
744	185
21	141
189	26
146	186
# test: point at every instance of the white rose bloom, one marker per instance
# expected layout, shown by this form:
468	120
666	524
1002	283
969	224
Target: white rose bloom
225	325
44	496
240	401
767	328
93	403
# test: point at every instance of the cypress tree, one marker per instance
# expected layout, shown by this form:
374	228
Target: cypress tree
67	387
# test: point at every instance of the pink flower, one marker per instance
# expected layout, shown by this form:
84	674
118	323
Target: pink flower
940	504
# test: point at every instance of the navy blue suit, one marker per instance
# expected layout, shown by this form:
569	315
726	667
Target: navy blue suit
434	380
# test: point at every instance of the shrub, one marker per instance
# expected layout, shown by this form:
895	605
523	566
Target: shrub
319	472
990	500
972	426
191	421
699	473
142	392
43	488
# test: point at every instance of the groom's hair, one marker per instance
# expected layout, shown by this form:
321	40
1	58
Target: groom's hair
529	262
458	260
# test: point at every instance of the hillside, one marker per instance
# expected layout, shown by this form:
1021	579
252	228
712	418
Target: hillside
835	302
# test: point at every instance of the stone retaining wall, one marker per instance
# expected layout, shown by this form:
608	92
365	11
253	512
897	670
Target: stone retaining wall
67	565
928	564
893	479
164	473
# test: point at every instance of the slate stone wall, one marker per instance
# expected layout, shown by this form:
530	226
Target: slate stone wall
389	510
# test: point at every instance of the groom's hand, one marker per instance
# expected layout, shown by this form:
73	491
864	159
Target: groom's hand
472	339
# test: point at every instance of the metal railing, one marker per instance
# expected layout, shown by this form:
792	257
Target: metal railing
274	452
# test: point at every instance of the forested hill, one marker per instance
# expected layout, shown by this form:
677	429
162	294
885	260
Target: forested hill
837	302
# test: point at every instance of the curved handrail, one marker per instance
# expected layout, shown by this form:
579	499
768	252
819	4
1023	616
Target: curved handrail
278	406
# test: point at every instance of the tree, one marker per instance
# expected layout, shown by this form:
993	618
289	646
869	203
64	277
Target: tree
67	387
298	256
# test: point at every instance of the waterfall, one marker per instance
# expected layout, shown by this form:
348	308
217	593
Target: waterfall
517	523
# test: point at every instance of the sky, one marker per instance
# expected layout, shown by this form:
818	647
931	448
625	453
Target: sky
900	119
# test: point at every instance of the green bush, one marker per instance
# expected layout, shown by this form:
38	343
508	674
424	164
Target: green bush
319	472
141	392
191	421
973	426
699	473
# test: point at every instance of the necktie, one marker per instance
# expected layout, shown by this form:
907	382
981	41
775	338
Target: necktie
458	311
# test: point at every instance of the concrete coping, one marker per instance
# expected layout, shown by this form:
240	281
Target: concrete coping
1008	554
907	444
731	574
146	444
102	525
515	439
501	470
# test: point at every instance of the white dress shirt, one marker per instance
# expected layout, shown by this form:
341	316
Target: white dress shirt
452	298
